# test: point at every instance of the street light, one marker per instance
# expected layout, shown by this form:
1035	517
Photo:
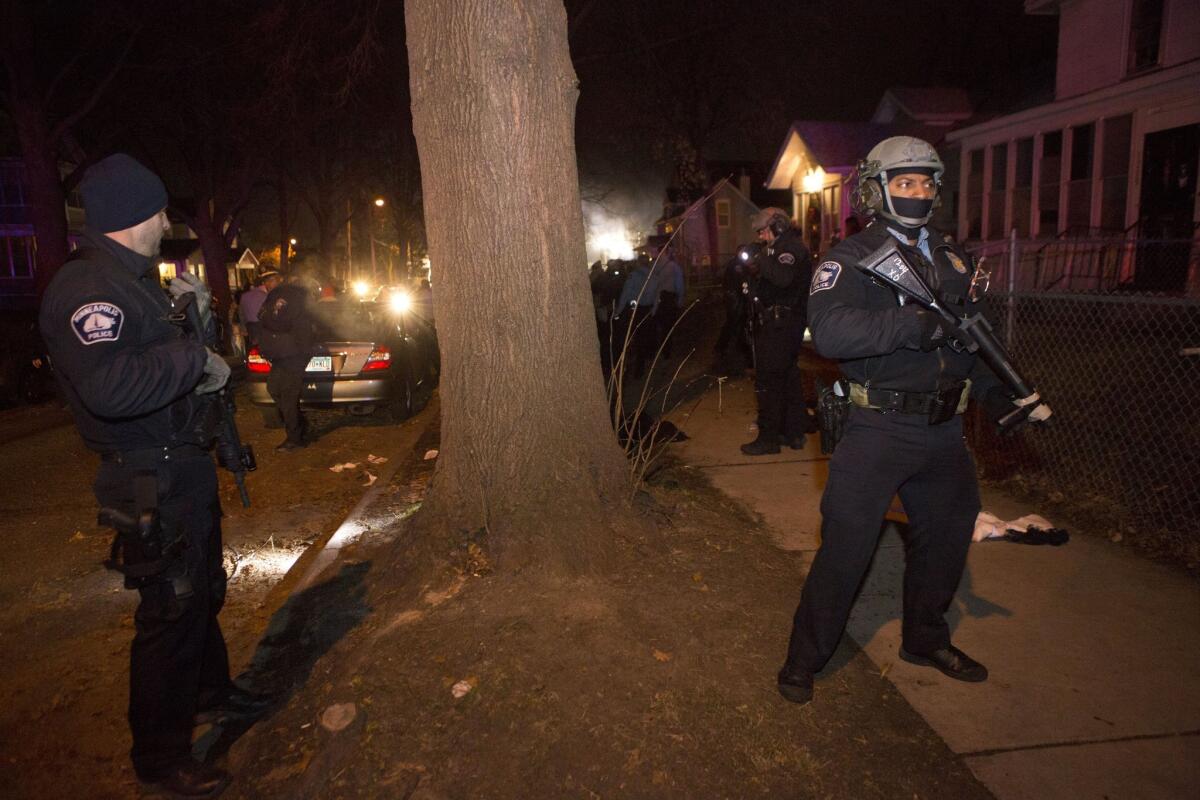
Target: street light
293	241
379	202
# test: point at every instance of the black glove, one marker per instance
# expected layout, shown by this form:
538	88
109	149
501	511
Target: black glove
937	332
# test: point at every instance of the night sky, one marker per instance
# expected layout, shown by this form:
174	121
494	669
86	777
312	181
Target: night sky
721	80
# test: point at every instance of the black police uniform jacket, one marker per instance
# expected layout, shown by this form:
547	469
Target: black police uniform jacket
785	272
859	322
126	370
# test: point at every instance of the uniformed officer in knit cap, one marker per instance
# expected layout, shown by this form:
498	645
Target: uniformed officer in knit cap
780	286
137	388
908	383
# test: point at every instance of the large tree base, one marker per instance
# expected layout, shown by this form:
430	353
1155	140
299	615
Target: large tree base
657	681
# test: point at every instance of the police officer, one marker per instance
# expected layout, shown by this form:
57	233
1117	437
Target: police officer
137	388
904	433
784	271
286	338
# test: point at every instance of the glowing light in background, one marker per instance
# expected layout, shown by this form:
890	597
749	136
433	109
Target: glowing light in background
813	181
608	238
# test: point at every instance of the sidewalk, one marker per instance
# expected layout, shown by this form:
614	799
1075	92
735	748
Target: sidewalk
1094	652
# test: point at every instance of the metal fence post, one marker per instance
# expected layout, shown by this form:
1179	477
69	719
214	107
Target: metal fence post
1010	319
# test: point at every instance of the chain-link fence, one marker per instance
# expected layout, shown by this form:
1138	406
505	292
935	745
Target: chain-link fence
1120	365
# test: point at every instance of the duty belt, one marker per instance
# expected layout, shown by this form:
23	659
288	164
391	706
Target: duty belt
906	402
777	312
151	455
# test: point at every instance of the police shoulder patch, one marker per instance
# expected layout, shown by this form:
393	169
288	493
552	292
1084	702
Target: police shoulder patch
956	262
97	322
787	258
825	276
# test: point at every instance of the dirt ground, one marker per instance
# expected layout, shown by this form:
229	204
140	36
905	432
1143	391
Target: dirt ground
66	622
655	681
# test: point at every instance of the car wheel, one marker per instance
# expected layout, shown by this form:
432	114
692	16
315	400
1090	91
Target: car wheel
271	418
403	408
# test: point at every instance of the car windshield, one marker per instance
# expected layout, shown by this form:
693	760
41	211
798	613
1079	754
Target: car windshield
347	321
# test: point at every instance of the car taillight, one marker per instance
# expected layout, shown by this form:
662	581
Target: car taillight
380	358
255	361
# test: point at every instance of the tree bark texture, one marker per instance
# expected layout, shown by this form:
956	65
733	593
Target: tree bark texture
527	448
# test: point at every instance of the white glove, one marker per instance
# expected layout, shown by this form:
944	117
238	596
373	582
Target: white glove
216	373
187	282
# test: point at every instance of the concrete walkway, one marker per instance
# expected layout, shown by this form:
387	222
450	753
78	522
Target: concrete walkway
1094	652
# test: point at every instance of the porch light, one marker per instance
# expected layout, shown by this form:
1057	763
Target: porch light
813	181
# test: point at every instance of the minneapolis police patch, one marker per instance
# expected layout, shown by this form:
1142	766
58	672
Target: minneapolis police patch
825	276
97	322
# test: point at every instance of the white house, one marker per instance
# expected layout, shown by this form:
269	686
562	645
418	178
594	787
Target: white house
1115	154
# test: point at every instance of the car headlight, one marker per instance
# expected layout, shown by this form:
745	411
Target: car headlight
400	302
362	289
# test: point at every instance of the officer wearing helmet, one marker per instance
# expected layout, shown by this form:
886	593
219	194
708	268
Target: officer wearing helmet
908	385
784	272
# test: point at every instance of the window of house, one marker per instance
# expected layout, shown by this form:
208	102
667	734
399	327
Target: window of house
16	257
1051	173
995	228
722	213
1114	172
1079	191
1145	34
1022	186
975	194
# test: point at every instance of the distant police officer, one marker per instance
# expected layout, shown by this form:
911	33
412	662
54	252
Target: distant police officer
904	433
136	387
784	271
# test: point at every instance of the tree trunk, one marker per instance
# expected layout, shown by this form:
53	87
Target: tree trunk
527	449
45	199
285	228
215	250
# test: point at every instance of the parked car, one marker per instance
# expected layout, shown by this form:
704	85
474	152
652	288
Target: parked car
368	359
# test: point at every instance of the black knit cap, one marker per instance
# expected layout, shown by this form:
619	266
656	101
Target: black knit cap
118	193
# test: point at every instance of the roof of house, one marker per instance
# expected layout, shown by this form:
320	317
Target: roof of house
933	104
838	146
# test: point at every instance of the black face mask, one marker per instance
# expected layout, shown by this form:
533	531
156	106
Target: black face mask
912	207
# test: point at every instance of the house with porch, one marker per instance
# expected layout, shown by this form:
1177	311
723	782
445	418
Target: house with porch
1105	174
816	162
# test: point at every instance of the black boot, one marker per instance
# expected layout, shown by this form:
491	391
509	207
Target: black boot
188	778
761	446
796	685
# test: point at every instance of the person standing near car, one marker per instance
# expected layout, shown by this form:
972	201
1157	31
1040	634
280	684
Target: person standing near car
286	339
252	300
137	388
784	271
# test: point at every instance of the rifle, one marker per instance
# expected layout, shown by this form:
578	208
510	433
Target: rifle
232	453
889	265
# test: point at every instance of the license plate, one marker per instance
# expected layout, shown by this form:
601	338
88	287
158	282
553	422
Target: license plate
320	364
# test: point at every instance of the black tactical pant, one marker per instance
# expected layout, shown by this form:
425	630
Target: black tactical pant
178	650
777	383
638	336
666	314
879	456
284	383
